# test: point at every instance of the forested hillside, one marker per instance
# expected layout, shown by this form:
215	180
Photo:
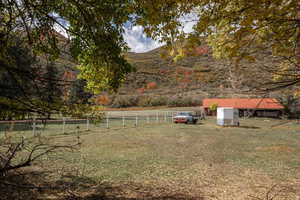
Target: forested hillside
195	76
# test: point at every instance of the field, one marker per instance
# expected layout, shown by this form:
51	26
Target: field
259	160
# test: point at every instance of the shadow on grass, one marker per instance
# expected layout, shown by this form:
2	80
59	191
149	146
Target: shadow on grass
83	188
190	124
249	127
34	186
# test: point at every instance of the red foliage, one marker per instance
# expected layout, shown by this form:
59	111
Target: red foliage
151	85
202	50
184	75
188	73
163	71
69	76
141	90
186	80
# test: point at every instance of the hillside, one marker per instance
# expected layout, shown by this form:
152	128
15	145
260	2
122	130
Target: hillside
157	80
200	74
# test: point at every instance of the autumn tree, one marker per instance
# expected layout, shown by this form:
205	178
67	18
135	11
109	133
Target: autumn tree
231	27
94	30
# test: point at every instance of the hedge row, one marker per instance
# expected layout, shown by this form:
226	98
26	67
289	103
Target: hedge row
149	101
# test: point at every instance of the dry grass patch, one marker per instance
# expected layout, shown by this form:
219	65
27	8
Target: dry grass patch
277	149
178	161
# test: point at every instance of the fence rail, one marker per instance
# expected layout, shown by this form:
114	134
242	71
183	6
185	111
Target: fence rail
65	125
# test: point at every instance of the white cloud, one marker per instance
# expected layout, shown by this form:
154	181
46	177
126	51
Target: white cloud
188	27
188	21
134	35
138	41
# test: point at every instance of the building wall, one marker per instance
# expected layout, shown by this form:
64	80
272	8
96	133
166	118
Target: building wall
251	112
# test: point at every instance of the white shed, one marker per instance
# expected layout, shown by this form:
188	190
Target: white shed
227	116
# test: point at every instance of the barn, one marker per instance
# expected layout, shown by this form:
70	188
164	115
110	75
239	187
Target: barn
258	107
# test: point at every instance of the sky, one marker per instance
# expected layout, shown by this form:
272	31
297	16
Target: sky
135	37
138	42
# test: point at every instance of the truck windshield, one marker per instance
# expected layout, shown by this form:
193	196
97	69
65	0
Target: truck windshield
185	114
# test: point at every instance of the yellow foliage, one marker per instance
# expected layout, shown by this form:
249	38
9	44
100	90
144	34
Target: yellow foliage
297	94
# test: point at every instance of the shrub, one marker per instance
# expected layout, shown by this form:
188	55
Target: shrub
159	101
152	101
151	85
175	101
213	107
179	101
144	101
124	101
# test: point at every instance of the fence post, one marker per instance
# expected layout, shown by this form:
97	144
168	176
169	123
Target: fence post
148	119
34	126
64	123
136	120
107	119
157	116
87	124
165	116
123	119
78	136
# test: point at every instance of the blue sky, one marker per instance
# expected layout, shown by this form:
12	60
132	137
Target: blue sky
135	37
138	41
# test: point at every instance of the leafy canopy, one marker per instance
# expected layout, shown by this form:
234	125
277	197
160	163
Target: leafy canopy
95	29
231	27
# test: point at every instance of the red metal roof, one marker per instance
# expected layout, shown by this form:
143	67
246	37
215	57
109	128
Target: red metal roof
265	103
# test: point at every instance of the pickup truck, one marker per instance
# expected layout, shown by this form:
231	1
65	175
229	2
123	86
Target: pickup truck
185	117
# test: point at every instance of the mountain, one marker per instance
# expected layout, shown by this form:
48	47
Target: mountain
198	74
157	78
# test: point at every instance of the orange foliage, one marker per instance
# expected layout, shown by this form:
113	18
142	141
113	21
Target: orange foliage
141	90
151	85
202	50
69	76
102	100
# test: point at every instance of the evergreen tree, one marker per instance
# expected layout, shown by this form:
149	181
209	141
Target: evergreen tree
51	91
78	94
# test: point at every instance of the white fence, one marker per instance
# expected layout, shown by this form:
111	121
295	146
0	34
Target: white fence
66	125
137	118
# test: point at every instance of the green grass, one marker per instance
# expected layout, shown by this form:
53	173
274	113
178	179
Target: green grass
169	150
202	157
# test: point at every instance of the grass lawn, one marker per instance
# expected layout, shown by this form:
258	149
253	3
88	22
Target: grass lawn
178	161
